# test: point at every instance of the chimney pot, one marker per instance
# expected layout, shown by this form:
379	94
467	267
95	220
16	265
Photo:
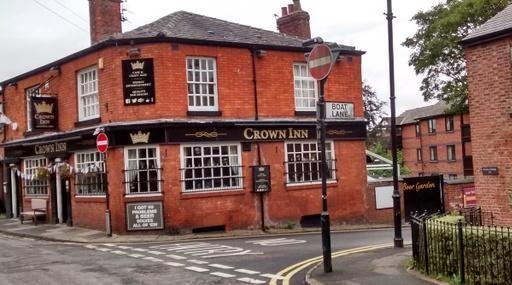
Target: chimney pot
296	5
284	11
290	9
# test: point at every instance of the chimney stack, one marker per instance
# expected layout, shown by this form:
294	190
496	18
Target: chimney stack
104	18
294	21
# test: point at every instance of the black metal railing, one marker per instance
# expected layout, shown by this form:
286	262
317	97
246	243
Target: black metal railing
143	180
477	217
473	254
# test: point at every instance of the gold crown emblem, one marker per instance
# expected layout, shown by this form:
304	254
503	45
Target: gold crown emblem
43	107
140	137
137	65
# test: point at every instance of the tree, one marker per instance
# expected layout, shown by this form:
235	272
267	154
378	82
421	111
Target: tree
373	111
437	53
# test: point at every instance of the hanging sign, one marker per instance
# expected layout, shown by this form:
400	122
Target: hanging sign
261	178
138	82
144	216
43	113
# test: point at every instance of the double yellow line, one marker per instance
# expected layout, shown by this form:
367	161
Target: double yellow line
286	274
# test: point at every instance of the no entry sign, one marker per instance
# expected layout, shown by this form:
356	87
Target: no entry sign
320	61
102	142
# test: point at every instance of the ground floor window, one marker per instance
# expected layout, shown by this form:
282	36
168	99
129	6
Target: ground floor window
142	170
211	167
36	176
90	173
303	162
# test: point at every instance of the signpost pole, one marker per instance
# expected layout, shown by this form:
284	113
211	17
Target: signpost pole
324	218
108	219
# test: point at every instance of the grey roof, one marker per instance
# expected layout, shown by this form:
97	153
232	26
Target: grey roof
186	25
497	25
411	116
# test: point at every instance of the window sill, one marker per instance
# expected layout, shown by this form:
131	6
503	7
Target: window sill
128	195
90	199
305	113
28	197
205	113
88	122
434	161
34	132
310	185
432	134
219	193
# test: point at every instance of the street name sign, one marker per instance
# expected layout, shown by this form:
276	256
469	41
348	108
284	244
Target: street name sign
339	110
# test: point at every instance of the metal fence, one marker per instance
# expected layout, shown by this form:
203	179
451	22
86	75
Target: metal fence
474	254
477	217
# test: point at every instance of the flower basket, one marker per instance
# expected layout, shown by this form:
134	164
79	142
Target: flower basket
42	173
64	171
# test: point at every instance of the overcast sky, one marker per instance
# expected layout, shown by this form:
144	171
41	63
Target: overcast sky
32	36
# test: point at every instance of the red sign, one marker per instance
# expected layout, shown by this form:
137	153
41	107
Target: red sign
320	61
102	142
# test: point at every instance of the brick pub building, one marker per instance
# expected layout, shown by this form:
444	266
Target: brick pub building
192	106
435	142
489	67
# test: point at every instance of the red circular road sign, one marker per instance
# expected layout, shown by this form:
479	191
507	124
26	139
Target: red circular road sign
320	61
102	142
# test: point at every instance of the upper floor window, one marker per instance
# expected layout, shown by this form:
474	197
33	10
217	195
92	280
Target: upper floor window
433	153
432	126
211	167
88	98
142	170
303	162
29	93
450	149
418	154
202	84
36	176
90	175
304	87
418	130
449	123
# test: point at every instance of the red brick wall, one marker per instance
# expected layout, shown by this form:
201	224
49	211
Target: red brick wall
105	19
490	97
441	139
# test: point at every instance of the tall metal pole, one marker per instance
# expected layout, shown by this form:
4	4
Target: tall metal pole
108	218
398	240
324	218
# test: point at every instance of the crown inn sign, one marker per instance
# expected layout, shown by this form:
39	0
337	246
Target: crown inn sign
44	113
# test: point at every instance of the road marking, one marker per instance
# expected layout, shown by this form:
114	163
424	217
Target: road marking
197	269
220	266
140	249
137	255
206	250
150	258
276	241
90	246
270	276
251	281
290	271
156	252
175	264
109	244
197	261
221	274
246	271
120	252
124	247
104	249
177	257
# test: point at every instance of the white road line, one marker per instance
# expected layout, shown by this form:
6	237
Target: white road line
278	277
156	252
224	275
197	269
175	264
109	244
124	247
197	261
90	246
221	266
137	255
246	271
120	252
140	249
251	281
177	257
150	258
104	249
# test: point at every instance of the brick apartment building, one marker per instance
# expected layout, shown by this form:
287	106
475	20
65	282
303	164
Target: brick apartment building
489	67
434	142
191	106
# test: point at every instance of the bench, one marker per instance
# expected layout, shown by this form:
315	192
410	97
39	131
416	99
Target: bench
38	210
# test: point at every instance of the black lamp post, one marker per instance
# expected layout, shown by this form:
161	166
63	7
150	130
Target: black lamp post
398	240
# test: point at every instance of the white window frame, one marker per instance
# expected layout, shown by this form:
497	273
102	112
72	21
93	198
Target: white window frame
419	154
127	170
431	126
332	165
213	179
201	84
301	93
95	169
450	155
90	91
30	166
449	124
433	153
28	95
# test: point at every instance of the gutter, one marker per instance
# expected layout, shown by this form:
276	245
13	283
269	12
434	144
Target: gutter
486	38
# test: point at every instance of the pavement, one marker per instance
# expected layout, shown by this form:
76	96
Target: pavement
385	266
